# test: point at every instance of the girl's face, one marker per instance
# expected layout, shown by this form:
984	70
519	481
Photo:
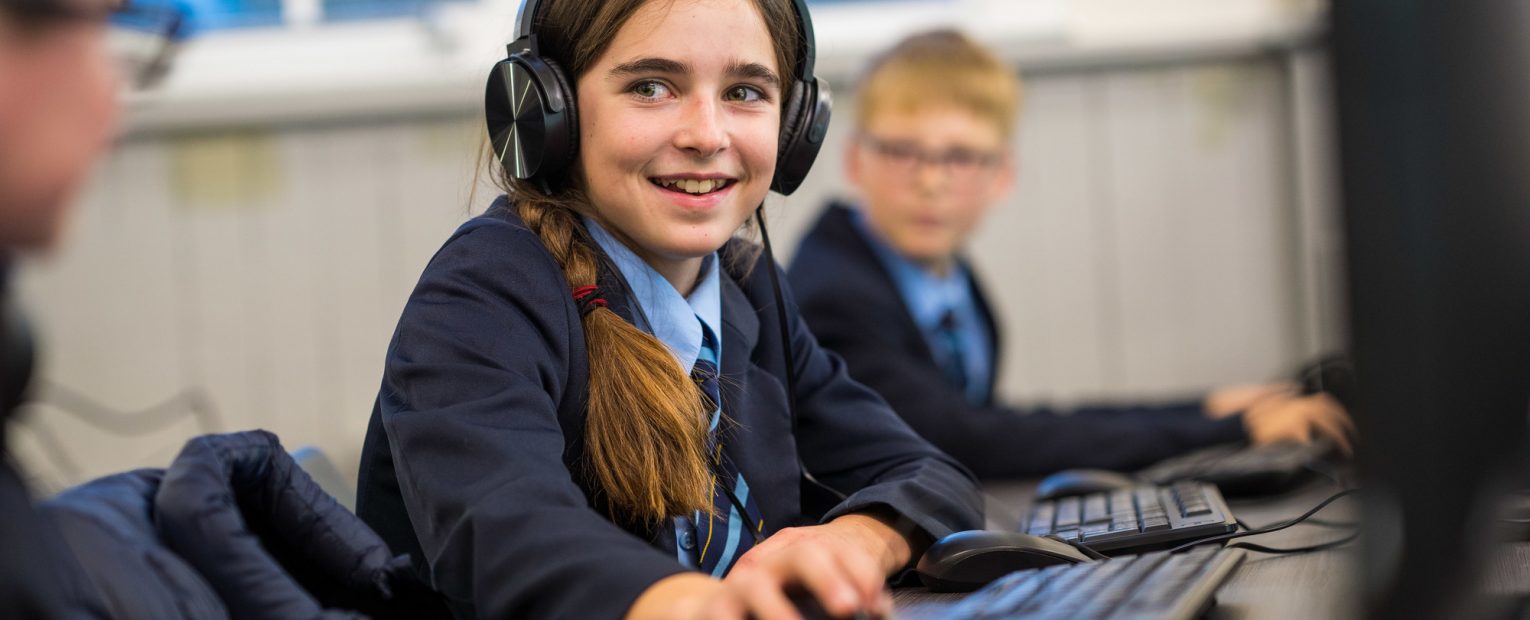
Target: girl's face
678	125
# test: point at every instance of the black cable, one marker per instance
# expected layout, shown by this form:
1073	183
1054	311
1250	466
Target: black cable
1279	550
1083	548
1333	524
1313	521
1324	472
754	528
786	349
1270	528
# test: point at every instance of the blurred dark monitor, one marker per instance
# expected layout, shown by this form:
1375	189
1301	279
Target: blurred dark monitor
1434	131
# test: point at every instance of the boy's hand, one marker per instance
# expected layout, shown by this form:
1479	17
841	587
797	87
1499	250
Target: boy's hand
1228	400
1299	419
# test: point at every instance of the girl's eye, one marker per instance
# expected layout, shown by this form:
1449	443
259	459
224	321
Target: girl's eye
650	90
744	93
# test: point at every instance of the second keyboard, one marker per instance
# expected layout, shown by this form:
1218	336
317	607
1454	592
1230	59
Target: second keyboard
1135	519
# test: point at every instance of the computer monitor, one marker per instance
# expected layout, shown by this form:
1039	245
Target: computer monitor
1434	133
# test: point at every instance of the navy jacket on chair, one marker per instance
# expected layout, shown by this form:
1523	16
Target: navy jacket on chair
855	308
474	458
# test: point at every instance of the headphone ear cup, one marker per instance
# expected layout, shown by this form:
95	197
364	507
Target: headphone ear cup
497	110
569	134
804	123
791	118
534	134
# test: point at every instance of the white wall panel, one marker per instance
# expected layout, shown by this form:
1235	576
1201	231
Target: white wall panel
1039	253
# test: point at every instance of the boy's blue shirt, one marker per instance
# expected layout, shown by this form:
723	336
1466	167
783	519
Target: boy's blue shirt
929	296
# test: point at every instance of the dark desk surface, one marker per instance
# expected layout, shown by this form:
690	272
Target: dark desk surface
1307	585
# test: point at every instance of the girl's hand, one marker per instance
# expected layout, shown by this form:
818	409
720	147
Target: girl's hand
1300	419
843	563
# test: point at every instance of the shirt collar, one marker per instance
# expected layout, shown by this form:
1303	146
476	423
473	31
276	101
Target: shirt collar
671	318
928	296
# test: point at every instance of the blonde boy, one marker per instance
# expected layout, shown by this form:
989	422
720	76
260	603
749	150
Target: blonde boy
883	283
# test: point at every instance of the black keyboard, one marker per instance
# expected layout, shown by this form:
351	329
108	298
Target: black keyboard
1135	519
1154	585
1243	470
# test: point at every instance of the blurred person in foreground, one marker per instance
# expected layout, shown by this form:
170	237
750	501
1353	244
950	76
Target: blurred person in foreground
57	114
233	526
883	283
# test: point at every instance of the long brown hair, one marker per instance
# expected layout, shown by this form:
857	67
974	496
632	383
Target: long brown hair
646	428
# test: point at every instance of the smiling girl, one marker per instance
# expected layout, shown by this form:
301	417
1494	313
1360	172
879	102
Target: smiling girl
589	409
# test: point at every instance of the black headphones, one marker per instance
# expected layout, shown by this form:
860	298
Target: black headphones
534	120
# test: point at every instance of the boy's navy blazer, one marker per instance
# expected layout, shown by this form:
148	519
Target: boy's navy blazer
855	308
474	457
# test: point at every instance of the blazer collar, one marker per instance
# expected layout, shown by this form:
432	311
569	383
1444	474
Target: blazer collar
741	325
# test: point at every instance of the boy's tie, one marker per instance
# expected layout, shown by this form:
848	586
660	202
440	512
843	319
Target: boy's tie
953	360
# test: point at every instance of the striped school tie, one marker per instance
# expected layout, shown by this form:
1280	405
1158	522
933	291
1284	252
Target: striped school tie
725	536
953	357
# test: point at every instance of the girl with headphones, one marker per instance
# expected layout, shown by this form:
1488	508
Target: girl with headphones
598	403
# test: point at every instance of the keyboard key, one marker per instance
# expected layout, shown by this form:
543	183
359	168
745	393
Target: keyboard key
1093	529
1121	499
1041	519
1067	513
1095	508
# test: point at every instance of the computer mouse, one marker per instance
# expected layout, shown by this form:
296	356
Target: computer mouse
1082	482
966	561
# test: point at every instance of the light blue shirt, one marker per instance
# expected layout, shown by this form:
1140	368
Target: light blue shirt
928	297
670	317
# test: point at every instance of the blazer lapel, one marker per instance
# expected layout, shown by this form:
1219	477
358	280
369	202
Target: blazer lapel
892	302
741	330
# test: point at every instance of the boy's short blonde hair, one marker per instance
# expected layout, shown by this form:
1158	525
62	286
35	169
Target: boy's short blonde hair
941	68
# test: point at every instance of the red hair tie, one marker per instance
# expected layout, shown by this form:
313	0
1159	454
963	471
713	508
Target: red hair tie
587	297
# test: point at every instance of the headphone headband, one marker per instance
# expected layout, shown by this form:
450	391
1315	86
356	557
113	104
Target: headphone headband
525	22
537	137
526	18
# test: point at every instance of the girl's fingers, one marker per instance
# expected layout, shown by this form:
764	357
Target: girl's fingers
763	596
828	581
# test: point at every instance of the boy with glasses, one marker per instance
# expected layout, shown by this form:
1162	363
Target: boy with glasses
883	284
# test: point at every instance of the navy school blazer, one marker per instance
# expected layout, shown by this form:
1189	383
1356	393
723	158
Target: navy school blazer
855	308
474	456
